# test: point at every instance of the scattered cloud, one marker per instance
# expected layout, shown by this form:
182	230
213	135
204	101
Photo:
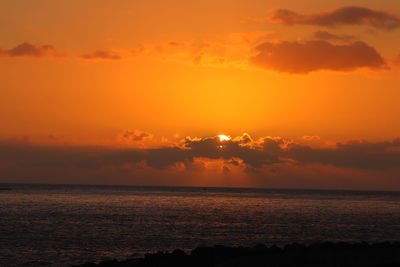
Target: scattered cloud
28	50
101	54
314	55
348	15
218	51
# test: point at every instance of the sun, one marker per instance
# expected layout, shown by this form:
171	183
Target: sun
223	138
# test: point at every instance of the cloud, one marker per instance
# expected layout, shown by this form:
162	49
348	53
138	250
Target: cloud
361	155
162	158
327	36
309	56
28	50
212	148
231	50
252	156
311	137
348	15
65	156
135	136
101	54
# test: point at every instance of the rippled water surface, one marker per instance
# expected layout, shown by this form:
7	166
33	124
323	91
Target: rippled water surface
59	225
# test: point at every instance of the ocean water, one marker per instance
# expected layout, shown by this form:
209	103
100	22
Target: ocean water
58	225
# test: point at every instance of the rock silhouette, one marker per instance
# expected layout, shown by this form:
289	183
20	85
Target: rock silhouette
315	255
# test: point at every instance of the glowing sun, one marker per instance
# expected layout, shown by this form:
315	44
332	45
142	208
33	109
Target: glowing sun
223	137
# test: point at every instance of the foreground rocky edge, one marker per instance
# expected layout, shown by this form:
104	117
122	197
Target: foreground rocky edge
321	254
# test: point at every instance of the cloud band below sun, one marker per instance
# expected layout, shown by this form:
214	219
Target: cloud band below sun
253	153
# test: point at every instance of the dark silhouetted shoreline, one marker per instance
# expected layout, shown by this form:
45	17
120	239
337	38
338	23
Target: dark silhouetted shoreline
319	254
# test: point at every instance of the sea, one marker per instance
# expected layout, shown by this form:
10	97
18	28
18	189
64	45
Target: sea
60	225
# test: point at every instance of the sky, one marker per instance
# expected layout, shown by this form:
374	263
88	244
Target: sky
305	93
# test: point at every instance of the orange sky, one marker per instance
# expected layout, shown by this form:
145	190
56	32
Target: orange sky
81	74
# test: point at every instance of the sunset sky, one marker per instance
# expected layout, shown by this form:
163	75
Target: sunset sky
136	92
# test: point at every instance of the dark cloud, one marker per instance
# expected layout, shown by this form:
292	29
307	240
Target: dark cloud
327	36
162	158
101	54
349	15
233	162
28	50
364	155
214	149
305	57
25	155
